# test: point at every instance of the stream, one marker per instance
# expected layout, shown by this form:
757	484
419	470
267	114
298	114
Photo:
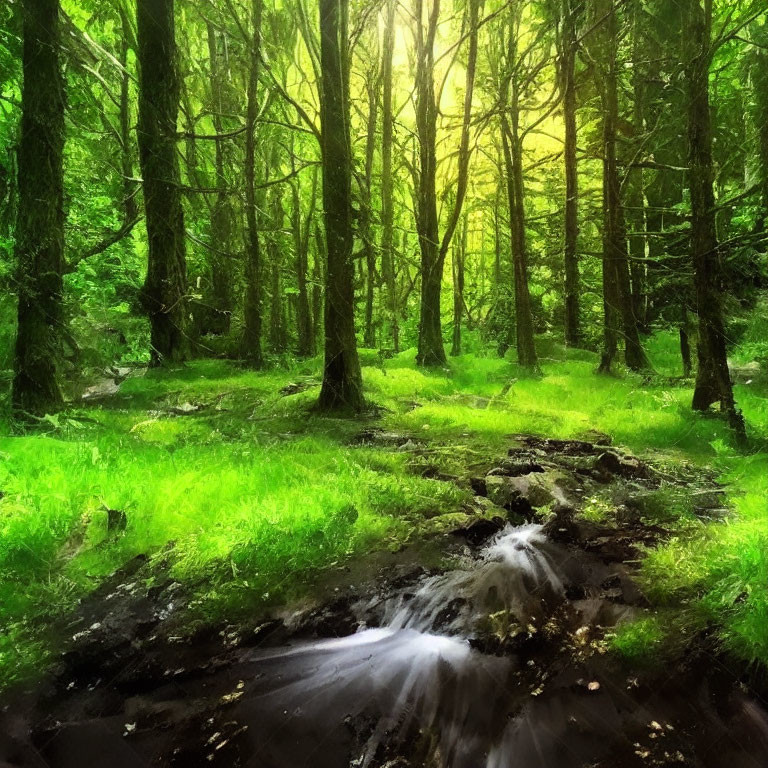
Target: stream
498	661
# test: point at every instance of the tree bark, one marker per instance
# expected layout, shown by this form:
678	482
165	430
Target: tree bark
305	346
761	103
366	213
222	215
251	348
342	388
458	262
40	215
713	380
387	184
430	347
163	295
513	162
617	290
569	46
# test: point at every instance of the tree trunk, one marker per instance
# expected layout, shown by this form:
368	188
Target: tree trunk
430	347
761	103
617	290
569	46
305	344
222	215
513	163
342	388
163	295
387	186
317	290
130	187
366	212
635	183
251	349
278	334
713	381
40	215
685	344
458	262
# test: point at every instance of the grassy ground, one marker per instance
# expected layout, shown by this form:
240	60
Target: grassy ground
257	495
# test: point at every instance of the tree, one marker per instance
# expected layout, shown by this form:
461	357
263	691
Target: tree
163	295
342	388
431	351
619	317
251	342
512	146
567	43
40	215
713	380
387	184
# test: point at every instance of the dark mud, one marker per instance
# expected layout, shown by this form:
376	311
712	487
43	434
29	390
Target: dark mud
498	661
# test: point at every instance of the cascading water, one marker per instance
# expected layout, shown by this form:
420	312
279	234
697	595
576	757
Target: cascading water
417	674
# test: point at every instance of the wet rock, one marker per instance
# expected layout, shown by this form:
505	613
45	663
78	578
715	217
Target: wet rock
561	526
503	492
537	489
480	529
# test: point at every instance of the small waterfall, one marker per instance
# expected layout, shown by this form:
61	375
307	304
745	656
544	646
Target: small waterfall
514	574
417	673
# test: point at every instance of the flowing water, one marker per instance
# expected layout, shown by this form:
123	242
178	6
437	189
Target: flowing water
418	673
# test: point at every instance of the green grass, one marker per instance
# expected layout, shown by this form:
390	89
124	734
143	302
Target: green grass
258	495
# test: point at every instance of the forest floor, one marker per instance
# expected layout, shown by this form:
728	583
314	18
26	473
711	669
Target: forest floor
156	538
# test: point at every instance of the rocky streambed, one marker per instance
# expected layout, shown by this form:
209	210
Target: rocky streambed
497	659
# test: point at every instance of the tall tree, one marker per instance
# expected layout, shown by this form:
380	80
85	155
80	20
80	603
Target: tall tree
433	248
567	41
387	182
512	146
163	295
251	348
342	388
222	214
713	380
40	213
619	317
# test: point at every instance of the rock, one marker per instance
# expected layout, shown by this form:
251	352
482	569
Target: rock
103	388
514	467
597	437
479	486
537	489
561	526
502	491
480	529
184	409
610	463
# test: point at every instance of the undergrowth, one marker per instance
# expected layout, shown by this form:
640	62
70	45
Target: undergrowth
248	495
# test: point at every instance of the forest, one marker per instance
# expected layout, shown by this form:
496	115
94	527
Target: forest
383	383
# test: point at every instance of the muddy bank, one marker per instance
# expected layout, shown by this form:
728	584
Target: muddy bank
497	659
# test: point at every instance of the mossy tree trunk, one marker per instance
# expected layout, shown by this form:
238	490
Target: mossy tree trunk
342	388
40	214
163	295
251	347
513	171
713	380
387	184
222	214
568	49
